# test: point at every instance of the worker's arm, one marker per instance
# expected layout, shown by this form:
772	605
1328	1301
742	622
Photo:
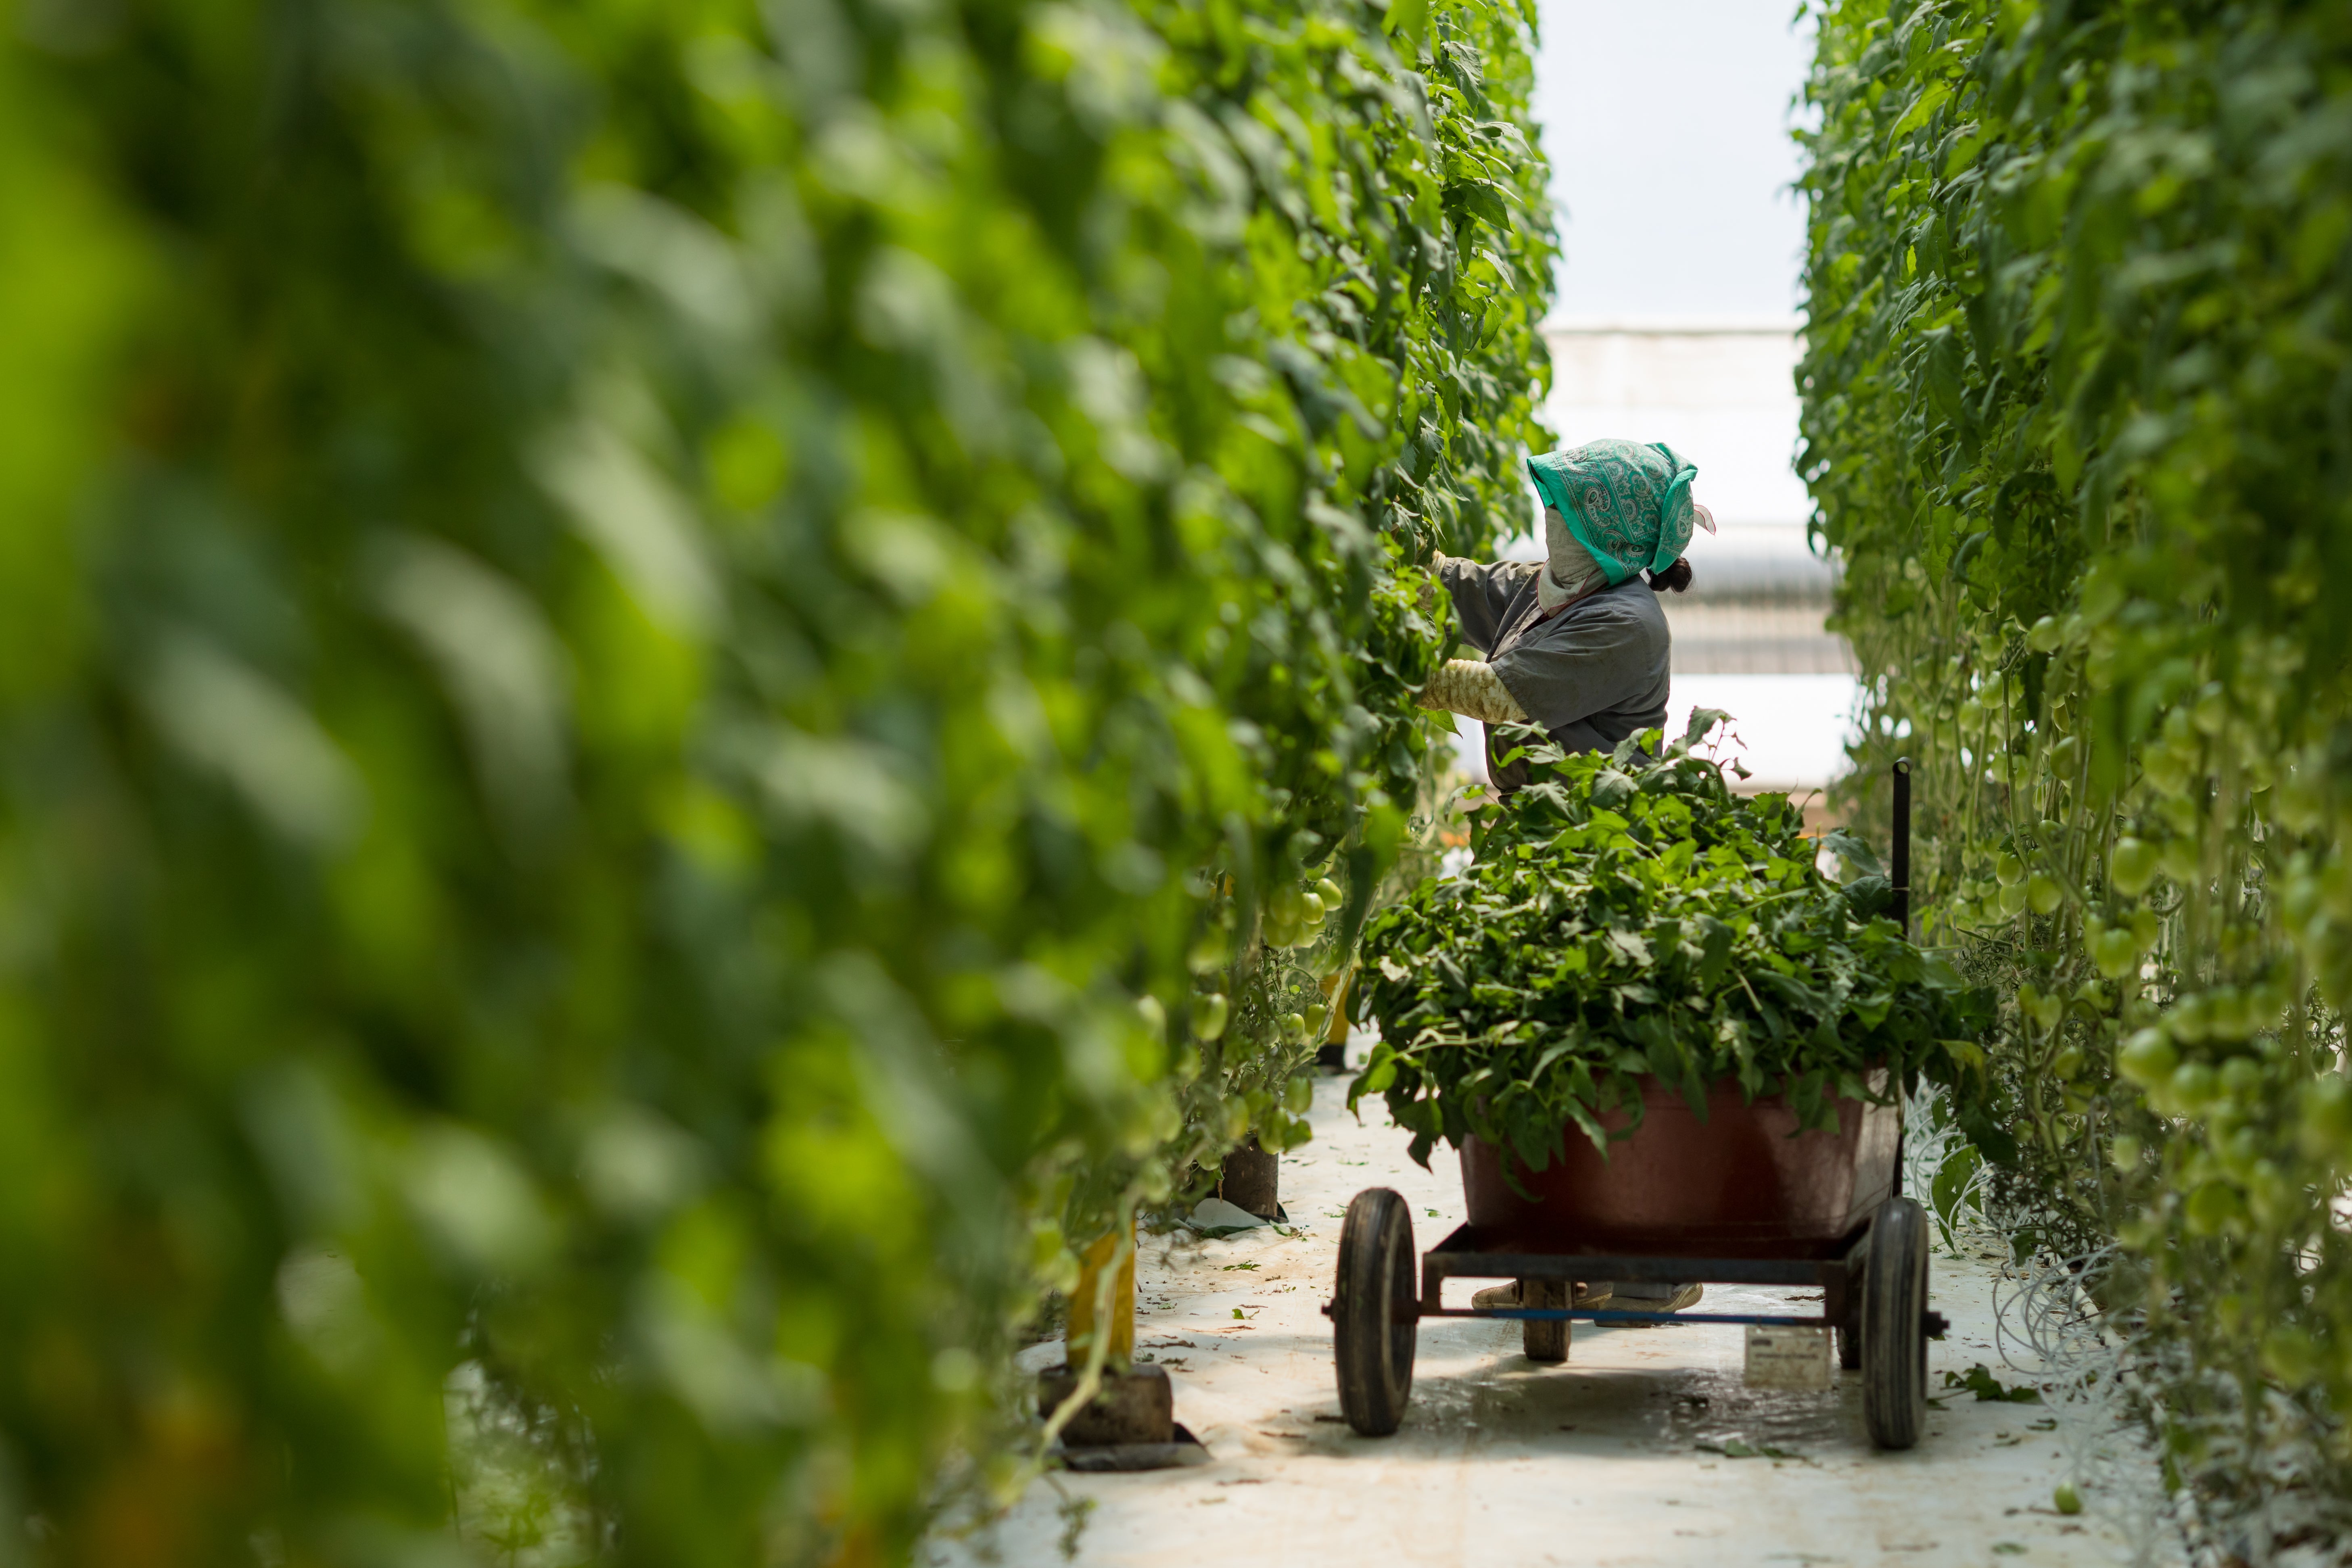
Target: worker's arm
1481	594
1468	687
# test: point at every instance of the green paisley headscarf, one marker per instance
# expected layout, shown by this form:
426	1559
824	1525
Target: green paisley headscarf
1629	504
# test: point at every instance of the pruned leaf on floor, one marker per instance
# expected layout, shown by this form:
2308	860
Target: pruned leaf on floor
1741	1449
1980	1381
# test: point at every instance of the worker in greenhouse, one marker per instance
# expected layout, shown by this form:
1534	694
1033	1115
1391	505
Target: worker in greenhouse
1577	643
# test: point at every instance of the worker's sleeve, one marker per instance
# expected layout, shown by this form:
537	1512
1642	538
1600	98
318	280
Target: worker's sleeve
1580	664
1465	686
1481	593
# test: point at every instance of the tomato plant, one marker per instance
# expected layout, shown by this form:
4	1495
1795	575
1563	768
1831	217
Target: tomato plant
2072	385
658	668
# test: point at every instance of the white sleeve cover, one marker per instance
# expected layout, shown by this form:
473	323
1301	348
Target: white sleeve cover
1468	687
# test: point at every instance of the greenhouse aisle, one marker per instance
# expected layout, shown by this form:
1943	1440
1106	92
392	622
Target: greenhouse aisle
1645	1449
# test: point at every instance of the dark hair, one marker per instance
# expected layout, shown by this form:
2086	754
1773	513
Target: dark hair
1676	577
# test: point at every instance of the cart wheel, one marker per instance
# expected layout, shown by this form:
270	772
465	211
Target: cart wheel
1375	1311
1893	1325
1545	1341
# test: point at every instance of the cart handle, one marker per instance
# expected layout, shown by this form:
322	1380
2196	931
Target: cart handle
1902	845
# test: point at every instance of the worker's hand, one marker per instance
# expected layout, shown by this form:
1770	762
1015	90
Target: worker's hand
1432	591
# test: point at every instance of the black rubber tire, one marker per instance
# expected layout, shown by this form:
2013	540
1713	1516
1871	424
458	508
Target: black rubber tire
1375	1311
1894	1325
1544	1340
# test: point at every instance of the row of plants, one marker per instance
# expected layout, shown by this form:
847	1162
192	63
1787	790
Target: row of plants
1627	916
684	691
2076	404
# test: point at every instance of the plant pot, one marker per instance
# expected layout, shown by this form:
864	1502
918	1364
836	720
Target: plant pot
1252	1180
1743	1182
1138	1405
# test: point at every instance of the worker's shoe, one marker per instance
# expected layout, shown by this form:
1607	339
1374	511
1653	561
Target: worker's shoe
1587	1297
1654	1296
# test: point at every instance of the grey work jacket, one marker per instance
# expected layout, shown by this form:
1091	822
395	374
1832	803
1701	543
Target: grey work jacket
1591	676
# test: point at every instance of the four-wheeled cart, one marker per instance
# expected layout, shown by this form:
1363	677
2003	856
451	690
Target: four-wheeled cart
1742	1198
1739	1197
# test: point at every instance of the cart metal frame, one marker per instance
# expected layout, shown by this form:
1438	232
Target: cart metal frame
1459	1256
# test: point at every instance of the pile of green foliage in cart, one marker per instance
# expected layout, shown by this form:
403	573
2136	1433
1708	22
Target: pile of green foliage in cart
1622	918
681	691
2077	415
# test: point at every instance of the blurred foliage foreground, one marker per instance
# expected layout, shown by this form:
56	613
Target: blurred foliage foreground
677	687
2078	413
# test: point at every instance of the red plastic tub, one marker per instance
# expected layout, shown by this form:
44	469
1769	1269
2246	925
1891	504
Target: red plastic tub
1742	1183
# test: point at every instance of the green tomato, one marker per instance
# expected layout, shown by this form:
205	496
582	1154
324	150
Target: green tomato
2132	867
2065	1499
2046	635
2010	869
2327	1131
2068	1064
1209	1016
2167	769
2148	1058
2116	953
1316	1016
2043	1010
1294	1027
2012	900
1328	891
2191	1020
2240	1076
2192	1086
2043	893
1310	909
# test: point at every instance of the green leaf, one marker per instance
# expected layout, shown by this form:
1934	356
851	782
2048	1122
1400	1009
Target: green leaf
1408	17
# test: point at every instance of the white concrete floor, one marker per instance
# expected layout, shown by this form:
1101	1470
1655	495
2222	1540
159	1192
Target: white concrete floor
1616	1458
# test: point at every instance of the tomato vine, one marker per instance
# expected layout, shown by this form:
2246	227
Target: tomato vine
2075	405
651	661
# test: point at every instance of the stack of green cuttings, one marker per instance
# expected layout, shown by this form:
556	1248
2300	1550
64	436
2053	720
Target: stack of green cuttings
1624	918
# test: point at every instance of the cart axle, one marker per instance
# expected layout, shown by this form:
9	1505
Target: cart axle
1604	1315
